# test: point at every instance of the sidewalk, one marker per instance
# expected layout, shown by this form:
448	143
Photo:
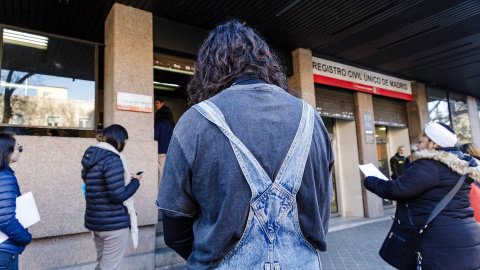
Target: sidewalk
353	243
340	223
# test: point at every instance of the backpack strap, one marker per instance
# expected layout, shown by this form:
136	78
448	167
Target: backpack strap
441	205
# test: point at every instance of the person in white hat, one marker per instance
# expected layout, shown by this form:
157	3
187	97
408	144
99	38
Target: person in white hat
438	135
452	239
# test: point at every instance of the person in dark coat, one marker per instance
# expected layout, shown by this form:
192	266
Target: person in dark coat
452	240
108	193
162	132
397	162
163	112
18	236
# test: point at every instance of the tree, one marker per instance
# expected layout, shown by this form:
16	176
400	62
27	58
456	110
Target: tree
9	89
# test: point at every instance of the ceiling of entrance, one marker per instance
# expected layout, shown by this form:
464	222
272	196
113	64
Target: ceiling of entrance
433	41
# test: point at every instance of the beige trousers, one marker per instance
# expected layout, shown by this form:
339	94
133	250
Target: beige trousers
161	164
111	246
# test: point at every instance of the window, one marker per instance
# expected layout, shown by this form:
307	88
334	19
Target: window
461	122
478	108
450	109
54	120
51	80
438	106
19	119
84	122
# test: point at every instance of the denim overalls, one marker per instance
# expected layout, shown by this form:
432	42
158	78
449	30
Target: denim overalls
272	238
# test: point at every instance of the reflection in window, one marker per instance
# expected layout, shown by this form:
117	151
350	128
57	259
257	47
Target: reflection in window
478	108
54	120
53	84
460	119
84	122
438	106
19	119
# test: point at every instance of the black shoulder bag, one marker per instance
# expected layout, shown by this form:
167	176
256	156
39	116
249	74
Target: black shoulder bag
401	247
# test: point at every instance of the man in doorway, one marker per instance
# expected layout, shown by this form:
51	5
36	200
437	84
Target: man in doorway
397	162
163	132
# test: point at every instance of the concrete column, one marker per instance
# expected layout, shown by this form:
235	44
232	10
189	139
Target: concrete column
417	111
302	79
129	69
397	137
349	186
128	66
473	117
367	148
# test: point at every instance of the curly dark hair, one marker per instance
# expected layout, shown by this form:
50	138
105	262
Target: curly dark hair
229	51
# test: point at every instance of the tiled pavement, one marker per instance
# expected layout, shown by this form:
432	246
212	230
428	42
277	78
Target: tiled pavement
356	247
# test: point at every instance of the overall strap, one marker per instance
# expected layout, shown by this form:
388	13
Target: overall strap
439	207
291	172
256	176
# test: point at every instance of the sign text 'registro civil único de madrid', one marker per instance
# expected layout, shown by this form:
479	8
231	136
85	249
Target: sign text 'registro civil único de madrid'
340	75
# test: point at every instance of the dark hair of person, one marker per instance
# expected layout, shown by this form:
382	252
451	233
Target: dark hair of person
160	99
115	135
7	146
229	51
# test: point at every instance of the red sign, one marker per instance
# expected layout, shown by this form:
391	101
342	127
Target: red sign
361	87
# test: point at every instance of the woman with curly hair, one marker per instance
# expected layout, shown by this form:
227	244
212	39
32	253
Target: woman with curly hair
246	183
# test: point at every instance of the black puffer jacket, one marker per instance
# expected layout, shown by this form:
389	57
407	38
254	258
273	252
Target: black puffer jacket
105	190
452	239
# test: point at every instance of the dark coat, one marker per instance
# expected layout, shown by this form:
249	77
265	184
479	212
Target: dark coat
163	134
452	239
105	190
18	236
164	114
397	164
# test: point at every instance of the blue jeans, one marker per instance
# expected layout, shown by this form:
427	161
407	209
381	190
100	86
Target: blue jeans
8	261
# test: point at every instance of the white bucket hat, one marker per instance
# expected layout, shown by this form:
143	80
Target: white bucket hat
441	134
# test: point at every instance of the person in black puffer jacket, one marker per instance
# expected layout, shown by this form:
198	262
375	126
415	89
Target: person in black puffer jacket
109	206
18	236
452	240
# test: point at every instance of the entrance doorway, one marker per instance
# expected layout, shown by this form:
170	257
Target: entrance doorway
382	153
171	75
329	124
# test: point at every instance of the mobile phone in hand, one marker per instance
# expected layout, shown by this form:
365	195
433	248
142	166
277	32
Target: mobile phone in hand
140	172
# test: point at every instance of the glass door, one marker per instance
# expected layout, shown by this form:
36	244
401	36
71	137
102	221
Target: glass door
329	124
382	153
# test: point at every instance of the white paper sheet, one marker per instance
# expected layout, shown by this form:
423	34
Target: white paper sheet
26	213
370	170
